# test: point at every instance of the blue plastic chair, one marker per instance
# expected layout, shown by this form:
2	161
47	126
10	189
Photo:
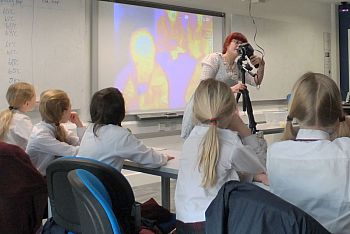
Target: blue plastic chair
93	202
63	205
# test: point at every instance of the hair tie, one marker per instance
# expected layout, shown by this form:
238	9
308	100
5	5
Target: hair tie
213	121
57	124
342	118
289	119
12	108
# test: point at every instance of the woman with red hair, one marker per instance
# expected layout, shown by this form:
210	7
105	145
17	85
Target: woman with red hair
223	67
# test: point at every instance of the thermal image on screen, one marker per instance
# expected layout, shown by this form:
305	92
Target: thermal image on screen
162	52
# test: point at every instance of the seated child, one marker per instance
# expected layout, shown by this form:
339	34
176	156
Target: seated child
15	125
106	140
218	149
310	167
49	138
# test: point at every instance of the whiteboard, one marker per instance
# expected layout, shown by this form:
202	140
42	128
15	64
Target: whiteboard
291	50
44	43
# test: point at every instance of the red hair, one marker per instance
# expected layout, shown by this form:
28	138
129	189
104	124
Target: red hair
234	35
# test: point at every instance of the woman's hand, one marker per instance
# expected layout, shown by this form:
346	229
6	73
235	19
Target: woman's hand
238	87
74	118
257	61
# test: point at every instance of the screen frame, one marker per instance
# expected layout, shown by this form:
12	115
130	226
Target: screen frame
94	44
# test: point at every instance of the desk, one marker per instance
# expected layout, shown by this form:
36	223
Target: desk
170	170
166	173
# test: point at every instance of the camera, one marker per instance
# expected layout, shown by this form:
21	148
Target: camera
245	49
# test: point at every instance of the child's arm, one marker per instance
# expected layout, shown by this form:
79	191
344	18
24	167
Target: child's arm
136	151
74	139
238	125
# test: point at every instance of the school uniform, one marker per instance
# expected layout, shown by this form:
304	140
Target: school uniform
113	144
313	173
19	130
43	146
236	155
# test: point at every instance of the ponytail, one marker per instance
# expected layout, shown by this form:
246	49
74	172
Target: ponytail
289	132
5	121
61	134
344	127
209	156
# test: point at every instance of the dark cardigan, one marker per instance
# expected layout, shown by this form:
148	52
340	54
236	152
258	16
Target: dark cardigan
23	192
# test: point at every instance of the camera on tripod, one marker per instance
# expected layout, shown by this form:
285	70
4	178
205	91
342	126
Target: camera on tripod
245	49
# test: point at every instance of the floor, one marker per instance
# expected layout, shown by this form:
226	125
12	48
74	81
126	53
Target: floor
145	192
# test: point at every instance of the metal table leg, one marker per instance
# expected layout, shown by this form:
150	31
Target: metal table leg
165	183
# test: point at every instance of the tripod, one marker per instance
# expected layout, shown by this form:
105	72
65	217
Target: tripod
247	105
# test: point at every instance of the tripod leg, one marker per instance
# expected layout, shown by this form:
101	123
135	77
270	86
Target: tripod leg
238	96
252	123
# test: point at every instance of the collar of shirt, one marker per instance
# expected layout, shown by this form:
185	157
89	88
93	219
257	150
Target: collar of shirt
311	135
48	125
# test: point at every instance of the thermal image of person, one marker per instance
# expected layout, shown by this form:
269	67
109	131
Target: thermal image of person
143	80
200	43
170	33
173	53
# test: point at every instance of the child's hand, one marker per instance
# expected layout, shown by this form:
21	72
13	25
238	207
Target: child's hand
74	118
262	178
169	157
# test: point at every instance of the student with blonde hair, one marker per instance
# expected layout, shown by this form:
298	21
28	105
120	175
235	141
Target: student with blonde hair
49	138
15	125
310	168
219	147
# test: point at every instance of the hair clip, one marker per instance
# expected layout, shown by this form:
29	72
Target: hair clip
213	121
289	119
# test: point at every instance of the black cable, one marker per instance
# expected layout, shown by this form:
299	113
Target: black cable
262	52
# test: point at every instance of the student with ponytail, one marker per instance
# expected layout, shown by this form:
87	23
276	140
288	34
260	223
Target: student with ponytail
310	168
49	138
219	147
15	125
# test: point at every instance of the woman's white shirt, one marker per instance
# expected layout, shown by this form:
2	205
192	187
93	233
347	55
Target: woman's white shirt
213	66
19	130
43	146
191	199
114	144
313	173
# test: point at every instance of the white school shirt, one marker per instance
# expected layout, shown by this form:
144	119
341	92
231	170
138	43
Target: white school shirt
314	175
213	66
114	144
191	199
43	146
19	130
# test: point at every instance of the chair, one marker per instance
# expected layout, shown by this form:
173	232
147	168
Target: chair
94	204
247	208
63	205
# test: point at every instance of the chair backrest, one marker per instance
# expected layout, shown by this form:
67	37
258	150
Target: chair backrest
63	206
247	208
94	204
